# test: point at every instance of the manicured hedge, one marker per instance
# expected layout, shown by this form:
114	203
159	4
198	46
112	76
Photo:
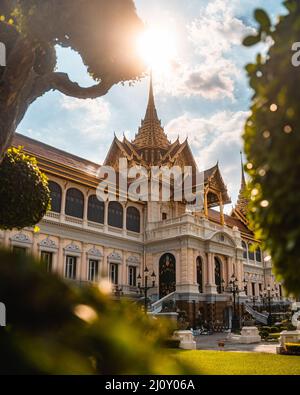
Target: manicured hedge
24	192
292	348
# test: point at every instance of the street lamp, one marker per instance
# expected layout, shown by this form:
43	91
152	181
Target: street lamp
118	291
269	296
144	289
253	299
233	288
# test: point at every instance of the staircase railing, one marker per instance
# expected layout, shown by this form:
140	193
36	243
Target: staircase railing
259	317
156	307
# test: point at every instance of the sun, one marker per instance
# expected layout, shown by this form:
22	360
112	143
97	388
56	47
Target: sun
157	47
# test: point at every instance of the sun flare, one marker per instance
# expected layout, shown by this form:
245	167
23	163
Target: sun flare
157	47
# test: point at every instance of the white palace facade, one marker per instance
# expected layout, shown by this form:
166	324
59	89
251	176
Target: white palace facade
194	255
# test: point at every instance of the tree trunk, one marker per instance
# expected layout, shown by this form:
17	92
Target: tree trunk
16	85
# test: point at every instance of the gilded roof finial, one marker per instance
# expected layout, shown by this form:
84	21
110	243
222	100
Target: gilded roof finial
243	183
151	135
242	203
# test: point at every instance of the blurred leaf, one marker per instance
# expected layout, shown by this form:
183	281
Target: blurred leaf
263	19
251	40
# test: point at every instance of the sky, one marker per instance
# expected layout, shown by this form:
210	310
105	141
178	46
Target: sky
202	94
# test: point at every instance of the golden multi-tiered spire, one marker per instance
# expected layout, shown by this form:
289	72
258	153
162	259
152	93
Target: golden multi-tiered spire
151	135
243	201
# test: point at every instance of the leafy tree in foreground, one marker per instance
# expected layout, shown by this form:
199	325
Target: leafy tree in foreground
54	328
272	144
24	192
102	32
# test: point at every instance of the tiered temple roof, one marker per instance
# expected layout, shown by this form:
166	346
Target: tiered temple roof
151	134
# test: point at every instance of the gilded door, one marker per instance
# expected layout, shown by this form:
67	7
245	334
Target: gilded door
167	275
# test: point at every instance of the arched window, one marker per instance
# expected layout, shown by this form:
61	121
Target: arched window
251	252
115	215
199	268
95	210
218	275
258	255
74	203
133	219
56	193
245	250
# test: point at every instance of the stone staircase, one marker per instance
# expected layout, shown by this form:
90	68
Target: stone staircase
156	307
259	317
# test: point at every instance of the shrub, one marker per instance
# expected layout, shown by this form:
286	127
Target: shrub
24	192
56	328
264	334
273	329
292	348
273	336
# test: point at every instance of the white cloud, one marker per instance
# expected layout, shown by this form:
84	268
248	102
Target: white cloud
212	139
91	115
212	72
217	30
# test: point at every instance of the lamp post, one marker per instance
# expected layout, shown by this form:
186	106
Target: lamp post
233	288
269	293
118	291
144	289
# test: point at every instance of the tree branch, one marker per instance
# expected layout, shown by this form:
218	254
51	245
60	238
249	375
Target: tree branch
62	83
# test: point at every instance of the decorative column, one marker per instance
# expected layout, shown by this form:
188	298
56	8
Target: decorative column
63	201
204	273
211	287
85	209
205	204
229	269
104	264
124	219
60	258
221	209
35	248
106	215
124	277
84	263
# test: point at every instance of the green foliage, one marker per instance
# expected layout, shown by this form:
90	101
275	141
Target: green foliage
273	337
55	328
24	192
102	32
272	145
264	334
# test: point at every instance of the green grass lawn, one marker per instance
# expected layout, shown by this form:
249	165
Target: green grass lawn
238	363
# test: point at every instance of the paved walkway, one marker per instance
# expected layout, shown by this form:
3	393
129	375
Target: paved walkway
210	342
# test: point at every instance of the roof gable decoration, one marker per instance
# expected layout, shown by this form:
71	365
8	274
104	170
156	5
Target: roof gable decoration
21	238
94	252
133	260
48	243
114	257
224	238
72	249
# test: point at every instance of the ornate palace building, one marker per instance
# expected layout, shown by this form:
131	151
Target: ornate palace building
194	255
